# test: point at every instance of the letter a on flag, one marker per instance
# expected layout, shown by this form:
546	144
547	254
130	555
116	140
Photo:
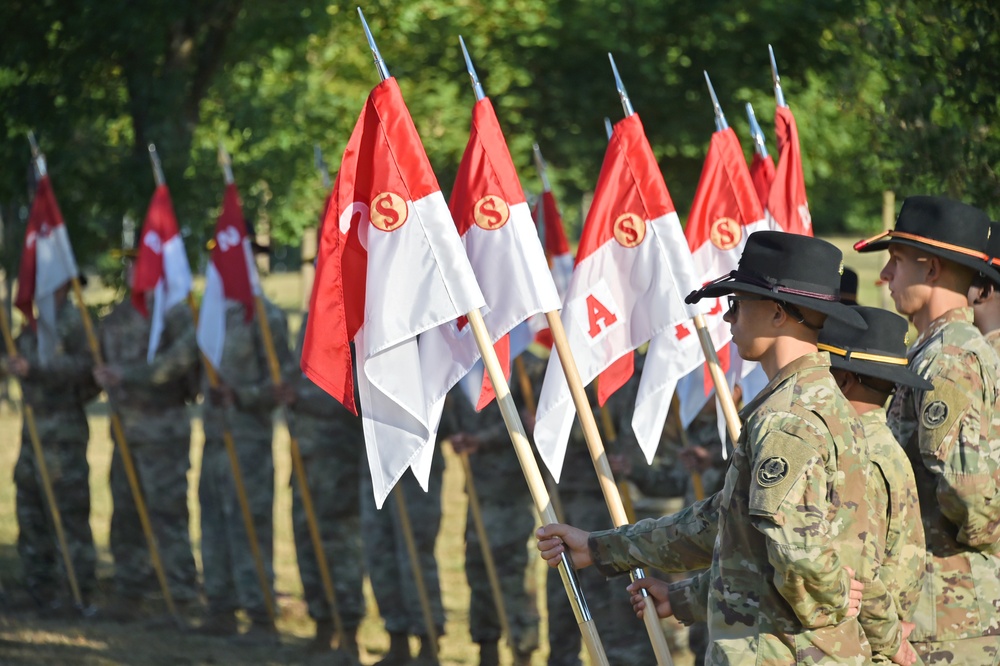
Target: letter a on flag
725	211
161	265
47	263
390	267
495	225
786	202
633	269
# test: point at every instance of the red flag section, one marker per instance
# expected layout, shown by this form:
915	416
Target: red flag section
786	202
557	252
501	241
632	272
762	174
161	265
390	267
231	275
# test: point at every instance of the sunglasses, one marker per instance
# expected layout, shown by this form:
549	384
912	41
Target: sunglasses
734	308
734	303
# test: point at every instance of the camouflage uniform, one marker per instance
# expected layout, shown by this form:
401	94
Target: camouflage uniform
57	394
623	635
509	519
332	443
388	561
950	436
151	403
230	576
791	516
993	339
896	512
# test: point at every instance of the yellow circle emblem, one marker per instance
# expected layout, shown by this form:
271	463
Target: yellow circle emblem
629	229
726	233
388	211
491	212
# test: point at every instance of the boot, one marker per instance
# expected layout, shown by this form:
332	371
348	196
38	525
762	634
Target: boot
261	632
349	642
218	623
522	658
124	610
489	655
399	651
426	656
324	634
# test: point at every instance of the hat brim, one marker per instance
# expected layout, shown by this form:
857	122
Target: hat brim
975	263
991	272
834	309
897	374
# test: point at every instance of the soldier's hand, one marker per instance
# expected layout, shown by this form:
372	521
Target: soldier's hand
658	596
556	538
696	459
107	376
906	655
463	442
908	628
620	464
221	396
18	365
854	594
285	394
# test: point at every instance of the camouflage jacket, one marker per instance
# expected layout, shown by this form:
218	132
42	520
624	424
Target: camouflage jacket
58	392
993	339
793	513
317	418
951	435
244	368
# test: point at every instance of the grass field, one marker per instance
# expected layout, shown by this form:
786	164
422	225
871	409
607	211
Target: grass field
27	640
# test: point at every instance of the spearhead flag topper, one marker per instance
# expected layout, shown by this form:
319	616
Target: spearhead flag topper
494	222
161	265
390	267
231	276
762	165
632	272
47	263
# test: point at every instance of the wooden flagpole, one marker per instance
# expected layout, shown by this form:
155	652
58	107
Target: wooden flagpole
418	572
43	472
529	403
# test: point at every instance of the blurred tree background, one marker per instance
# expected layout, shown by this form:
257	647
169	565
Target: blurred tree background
896	94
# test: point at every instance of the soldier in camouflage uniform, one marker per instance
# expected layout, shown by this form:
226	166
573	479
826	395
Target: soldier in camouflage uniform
150	397
868	366
332	443
950	433
388	561
56	388
791	521
508	516
244	403
984	294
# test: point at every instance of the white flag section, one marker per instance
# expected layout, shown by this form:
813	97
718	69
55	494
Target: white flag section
173	288
56	266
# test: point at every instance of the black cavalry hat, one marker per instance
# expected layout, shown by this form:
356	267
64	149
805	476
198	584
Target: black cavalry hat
940	226
992	268
879	352
794	269
849	287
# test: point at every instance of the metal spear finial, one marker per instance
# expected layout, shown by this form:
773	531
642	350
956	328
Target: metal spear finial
383	71
779	96
154	158
756	133
542	168
720	117
626	103
476	86
608	127
226	163
321	165
37	156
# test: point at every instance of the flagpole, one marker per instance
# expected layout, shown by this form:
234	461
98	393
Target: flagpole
608	127
529	404
779	95
321	166
759	145
43	471
117	430
213	382
529	467
696	483
610	434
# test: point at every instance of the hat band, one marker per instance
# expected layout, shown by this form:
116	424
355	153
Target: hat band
773	285
862	356
941	245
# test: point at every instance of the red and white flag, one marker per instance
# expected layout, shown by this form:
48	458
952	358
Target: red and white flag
725	211
557	253
161	265
47	263
390	267
786	202
500	238
231	276
762	174
633	270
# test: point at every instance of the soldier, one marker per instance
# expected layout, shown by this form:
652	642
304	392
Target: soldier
984	294
388	561
868	366
150	397
57	384
331	441
509	518
787	532
243	403
949	432
849	287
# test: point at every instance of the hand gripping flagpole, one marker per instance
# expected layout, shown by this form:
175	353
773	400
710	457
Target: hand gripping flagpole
722	390
404	516
756	133
779	95
43	472
227	439
117	430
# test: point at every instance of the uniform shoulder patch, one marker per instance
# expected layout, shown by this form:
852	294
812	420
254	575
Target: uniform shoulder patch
772	471
934	414
781	459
